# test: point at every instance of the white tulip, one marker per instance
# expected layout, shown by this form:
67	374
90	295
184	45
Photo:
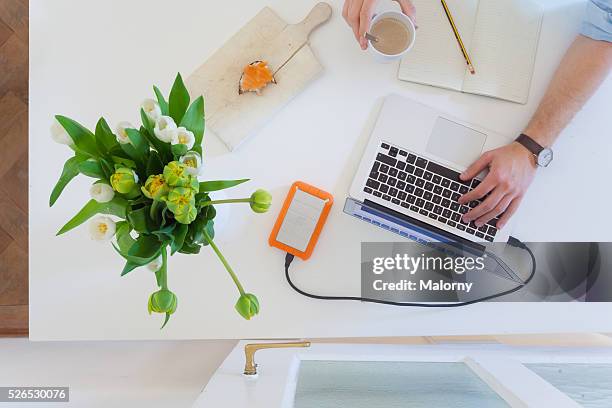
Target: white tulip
101	228
152	109
165	129
102	192
184	137
59	134
121	134
155	264
193	161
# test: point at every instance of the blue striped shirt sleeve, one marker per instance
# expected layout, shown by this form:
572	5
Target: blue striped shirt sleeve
597	23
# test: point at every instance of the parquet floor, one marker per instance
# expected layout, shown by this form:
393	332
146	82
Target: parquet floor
13	168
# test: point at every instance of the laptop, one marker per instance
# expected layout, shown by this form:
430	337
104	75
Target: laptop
408	178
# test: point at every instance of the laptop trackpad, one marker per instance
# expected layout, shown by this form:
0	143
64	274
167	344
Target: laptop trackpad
455	143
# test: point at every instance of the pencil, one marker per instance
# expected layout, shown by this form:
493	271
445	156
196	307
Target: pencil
458	37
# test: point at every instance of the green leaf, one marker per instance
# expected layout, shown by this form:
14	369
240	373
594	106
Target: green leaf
124	239
140	219
117	206
133	262
179	150
210	230
123	162
162	147
194	120
163	105
144	250
197	228
155	164
147	123
92	168
208	213
179	99
165	233
190	248
70	171
220	184
129	267
145	247
105	139
179	237
140	144
166	319
83	139
107	168
201	198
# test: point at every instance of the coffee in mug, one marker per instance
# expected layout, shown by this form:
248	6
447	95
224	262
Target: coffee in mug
393	36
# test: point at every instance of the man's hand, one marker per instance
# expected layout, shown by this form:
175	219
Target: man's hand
358	14
511	171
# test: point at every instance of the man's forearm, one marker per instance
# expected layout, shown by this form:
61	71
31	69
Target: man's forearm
585	65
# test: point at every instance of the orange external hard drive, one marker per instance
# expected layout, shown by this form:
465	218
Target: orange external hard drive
301	220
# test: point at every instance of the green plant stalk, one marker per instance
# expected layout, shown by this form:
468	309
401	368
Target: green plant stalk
224	262
164	268
229	200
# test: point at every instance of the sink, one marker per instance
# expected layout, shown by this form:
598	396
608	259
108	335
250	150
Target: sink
391	384
590	385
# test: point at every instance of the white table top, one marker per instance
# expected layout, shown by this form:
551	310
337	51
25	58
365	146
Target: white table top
101	58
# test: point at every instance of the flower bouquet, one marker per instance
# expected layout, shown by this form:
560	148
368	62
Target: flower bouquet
147	178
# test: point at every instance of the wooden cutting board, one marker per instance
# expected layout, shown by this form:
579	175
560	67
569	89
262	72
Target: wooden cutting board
233	117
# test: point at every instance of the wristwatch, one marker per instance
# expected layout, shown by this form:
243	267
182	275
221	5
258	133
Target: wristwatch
543	155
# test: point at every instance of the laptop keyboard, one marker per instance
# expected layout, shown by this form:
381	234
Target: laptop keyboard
425	187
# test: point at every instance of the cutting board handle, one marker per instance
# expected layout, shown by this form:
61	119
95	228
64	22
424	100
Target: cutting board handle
317	16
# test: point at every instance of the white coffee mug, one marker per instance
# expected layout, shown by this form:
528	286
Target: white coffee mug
406	21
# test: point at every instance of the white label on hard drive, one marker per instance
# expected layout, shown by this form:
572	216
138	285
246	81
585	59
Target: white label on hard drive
300	221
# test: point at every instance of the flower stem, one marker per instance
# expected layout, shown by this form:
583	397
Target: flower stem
224	262
153	210
164	268
229	200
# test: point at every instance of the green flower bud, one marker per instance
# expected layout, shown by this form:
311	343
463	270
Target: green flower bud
124	180
247	306
162	301
181	201
261	201
155	187
176	174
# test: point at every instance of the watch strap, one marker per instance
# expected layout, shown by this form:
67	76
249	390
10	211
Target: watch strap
530	144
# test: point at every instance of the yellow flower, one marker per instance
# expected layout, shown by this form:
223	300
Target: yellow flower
176	175
155	187
181	201
124	180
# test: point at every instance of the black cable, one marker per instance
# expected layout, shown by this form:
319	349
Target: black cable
511	241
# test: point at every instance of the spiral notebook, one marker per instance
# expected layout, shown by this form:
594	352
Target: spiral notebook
501	37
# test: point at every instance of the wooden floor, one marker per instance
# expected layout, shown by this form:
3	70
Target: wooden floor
13	167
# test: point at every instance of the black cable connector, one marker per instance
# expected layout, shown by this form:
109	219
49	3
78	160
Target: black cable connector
514	242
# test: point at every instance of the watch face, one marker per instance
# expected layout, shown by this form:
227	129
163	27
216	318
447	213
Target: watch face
545	157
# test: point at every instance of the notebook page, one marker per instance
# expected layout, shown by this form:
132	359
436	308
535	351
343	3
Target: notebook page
436	58
504	49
